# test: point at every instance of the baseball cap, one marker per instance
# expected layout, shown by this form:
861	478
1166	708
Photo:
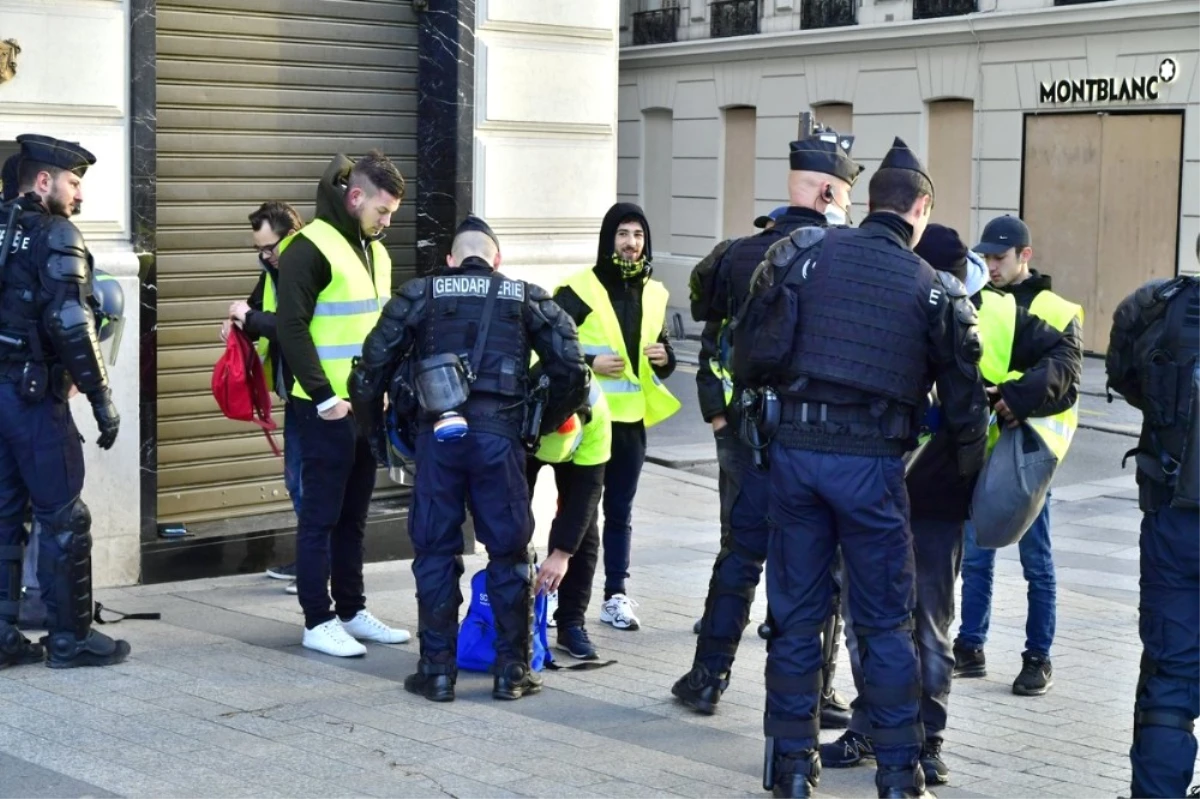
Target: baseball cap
1002	234
765	219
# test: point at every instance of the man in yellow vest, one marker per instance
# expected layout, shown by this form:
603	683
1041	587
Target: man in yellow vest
578	452
1007	246
334	277
621	315
271	223
1026	358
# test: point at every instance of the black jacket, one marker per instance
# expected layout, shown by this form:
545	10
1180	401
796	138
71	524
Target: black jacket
625	295
729	291
261	324
1052	363
304	273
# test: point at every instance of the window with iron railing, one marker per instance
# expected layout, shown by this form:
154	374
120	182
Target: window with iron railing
733	18
828	13
656	26
932	9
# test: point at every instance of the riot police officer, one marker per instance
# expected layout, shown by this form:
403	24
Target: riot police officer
49	342
461	338
821	176
1153	360
850	328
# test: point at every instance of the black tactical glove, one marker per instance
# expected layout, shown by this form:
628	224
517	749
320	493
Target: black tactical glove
107	418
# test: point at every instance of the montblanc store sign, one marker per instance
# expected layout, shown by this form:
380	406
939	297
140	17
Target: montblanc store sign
1110	90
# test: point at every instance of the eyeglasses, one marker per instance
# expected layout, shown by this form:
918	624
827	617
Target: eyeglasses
266	252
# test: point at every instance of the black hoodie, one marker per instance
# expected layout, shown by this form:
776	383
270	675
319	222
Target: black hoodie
304	273
625	294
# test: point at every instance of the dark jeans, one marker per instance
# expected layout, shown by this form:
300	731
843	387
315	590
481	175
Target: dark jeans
937	550
292	459
979	571
337	478
579	489
621	477
1168	692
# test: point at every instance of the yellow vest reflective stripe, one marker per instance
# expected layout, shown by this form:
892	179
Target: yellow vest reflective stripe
586	445
1057	431
630	398
346	309
997	329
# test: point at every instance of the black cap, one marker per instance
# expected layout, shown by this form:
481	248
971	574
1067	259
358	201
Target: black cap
9	177
900	157
828	152
66	155
942	249
1002	234
474	223
766	219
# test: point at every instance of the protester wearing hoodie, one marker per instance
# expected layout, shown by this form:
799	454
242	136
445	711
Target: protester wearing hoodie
1006	245
940	498
334	276
621	314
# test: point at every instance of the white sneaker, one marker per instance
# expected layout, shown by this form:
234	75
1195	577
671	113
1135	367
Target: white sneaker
366	627
290	588
332	639
551	608
618	611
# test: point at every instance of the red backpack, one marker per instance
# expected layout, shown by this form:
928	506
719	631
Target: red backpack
240	387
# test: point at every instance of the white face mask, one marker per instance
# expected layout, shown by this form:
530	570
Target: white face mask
836	215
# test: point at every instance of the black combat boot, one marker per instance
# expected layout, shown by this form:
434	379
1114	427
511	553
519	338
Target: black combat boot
16	649
32	613
969	662
434	681
96	649
835	710
901	782
797	775
700	689
936	772
515	680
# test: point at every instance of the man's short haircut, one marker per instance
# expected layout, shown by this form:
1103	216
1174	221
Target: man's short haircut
473	243
378	170
281	216
897	190
28	172
632	218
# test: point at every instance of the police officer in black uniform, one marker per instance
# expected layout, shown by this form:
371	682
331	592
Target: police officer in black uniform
851	329
49	341
821	176
1153	360
461	338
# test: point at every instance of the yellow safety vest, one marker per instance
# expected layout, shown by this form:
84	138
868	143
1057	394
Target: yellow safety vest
630	398
270	303
997	329
586	445
348	308
714	365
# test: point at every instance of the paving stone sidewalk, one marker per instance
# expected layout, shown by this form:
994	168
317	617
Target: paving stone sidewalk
220	700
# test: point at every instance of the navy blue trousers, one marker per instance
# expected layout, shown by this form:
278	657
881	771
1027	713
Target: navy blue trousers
745	492
818	502
41	461
487	471
1168	695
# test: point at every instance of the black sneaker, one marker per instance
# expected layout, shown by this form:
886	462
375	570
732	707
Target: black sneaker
852	749
1036	677
936	772
287	572
576	643
969	662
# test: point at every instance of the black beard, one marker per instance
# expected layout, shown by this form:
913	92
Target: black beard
58	207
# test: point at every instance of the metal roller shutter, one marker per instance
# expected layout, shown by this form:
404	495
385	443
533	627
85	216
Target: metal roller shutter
254	98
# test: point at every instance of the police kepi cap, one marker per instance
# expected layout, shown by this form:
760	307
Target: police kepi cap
1002	234
900	157
66	155
766	219
827	152
473	223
